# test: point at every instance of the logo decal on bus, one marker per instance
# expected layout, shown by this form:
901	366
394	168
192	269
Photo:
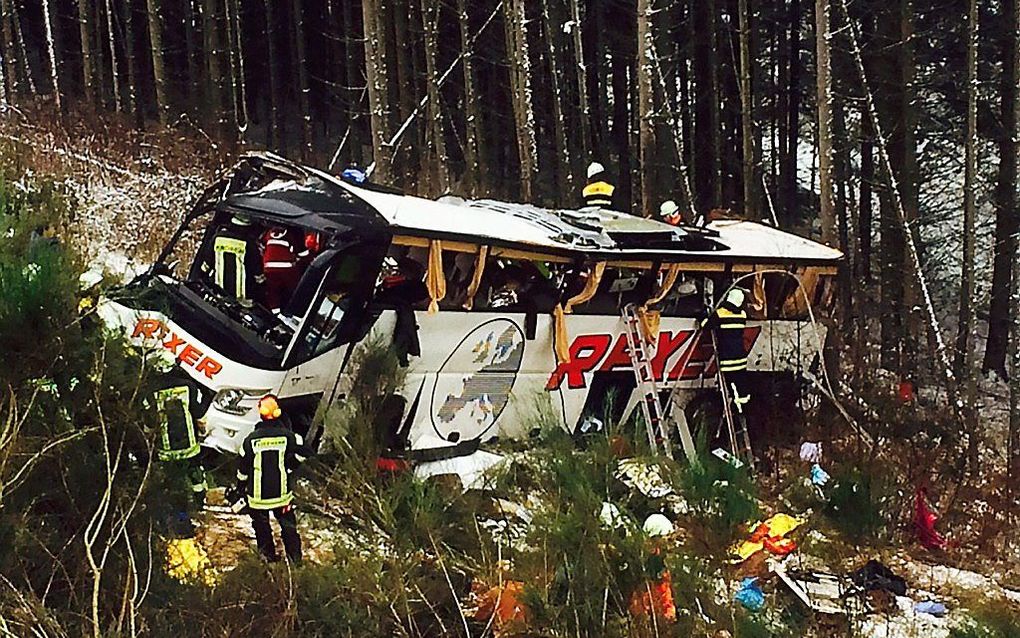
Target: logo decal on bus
185	353
599	353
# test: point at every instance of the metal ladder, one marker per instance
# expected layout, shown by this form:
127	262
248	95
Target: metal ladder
641	363
736	425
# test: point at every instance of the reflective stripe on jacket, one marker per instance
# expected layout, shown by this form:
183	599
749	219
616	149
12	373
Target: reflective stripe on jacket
178	437
598	194
731	321
229	265
268	456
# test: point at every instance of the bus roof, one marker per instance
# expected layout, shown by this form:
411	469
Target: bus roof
317	199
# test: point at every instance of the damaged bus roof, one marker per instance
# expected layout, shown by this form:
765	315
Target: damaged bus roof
306	196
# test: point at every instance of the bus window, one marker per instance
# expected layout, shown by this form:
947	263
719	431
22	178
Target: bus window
344	292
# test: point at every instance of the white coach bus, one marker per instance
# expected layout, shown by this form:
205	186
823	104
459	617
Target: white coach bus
491	304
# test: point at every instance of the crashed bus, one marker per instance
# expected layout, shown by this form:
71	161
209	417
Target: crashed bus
491	306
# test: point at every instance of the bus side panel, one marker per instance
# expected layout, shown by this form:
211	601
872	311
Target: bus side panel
480	377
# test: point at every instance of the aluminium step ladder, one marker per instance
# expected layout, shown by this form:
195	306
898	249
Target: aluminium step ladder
641	363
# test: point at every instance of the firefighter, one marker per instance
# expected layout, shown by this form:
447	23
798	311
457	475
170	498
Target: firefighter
269	456
181	405
280	259
597	191
236	264
728	321
669	213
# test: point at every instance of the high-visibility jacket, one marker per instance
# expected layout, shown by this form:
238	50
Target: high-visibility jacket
599	194
180	405
236	261
268	457
729	321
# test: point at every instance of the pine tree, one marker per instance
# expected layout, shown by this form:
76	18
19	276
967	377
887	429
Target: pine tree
823	26
159	80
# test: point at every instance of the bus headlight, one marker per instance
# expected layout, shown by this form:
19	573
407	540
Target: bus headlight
236	400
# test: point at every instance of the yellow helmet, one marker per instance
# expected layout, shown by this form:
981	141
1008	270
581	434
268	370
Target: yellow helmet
269	407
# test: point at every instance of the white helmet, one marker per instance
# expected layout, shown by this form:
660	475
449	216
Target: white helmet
594	169
736	296
611	517
668	208
658	525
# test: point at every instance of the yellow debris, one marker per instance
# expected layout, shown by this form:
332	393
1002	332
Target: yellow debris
779	525
187	562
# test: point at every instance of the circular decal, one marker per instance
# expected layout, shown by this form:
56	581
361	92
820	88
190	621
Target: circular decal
473	386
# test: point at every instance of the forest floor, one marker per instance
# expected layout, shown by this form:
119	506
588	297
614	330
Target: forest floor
132	188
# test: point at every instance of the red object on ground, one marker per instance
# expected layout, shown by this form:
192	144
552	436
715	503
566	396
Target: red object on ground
656	598
506	606
386	465
906	391
779	546
924	523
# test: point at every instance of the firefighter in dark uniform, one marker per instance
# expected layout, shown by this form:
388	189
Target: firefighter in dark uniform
237	264
597	191
181	405
728	321
269	456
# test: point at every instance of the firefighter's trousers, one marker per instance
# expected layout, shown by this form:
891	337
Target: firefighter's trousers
287	517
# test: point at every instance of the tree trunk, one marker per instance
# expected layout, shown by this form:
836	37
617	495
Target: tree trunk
1007	220
788	168
473	151
748	172
19	38
564	165
158	70
520	86
275	86
1011	145
646	108
827	210
112	43
86	29
213	45
583	108
964	344
304	95
376	74
706	106
132	63
9	50
51	51
238	84
430	10
865	215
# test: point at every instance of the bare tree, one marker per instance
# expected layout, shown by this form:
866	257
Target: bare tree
584	114
304	89
51	50
274	77
474	148
155	16
1011	67
564	165
1007	221
238	85
646	105
435	133
823	26
748	171
112	44
86	29
378	99
964	344
520	86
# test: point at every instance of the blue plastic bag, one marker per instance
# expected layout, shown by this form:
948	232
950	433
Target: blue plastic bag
750	595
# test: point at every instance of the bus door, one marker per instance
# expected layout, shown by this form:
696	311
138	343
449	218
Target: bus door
334	318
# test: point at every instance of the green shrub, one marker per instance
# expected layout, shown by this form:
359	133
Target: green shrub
858	504
989	623
722	496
